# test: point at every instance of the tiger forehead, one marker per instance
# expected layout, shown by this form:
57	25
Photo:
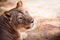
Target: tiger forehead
21	11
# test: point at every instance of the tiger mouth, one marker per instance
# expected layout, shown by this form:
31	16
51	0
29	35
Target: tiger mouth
28	27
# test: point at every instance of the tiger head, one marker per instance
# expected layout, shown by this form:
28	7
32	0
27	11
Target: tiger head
19	18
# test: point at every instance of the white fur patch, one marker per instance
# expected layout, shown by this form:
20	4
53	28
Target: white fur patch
23	35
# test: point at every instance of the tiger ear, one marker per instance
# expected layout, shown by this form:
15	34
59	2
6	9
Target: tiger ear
7	14
19	4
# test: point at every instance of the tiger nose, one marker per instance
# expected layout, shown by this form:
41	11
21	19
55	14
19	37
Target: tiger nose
32	21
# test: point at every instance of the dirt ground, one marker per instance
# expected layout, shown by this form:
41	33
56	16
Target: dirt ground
6	5
46	14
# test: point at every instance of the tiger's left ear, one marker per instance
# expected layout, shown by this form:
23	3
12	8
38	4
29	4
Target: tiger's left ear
19	4
7	14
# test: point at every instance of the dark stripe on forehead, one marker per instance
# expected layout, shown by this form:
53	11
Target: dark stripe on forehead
16	10
20	12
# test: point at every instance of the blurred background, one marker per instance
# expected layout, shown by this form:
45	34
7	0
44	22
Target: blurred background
46	14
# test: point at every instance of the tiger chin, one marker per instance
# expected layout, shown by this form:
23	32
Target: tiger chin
13	21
